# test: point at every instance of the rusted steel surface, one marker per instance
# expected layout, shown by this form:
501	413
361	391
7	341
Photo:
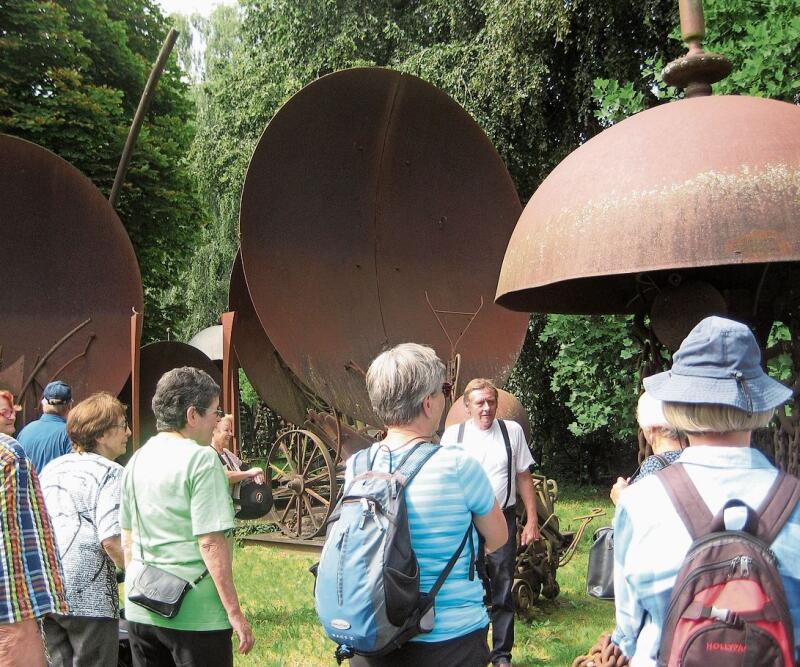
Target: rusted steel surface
209	342
368	190
700	189
156	359
71	279
257	357
508	407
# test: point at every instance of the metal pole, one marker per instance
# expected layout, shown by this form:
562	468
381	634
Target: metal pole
138	119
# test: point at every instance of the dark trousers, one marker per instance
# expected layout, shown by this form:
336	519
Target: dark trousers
152	646
81	641
466	651
499	568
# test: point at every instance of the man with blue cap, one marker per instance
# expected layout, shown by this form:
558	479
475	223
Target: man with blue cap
46	438
717	393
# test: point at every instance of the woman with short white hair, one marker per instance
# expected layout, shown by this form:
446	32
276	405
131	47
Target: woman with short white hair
407	389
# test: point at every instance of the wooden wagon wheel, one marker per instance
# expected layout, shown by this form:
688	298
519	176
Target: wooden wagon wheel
303	483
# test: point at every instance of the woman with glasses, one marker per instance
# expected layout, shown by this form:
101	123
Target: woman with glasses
8	412
176	515
451	492
82	490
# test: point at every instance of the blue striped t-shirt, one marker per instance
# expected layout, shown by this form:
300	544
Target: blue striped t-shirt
441	501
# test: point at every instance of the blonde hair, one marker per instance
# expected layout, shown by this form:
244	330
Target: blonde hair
91	418
713	418
479	384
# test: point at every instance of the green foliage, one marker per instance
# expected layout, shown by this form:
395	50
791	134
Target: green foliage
71	74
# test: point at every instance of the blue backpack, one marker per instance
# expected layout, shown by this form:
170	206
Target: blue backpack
367	591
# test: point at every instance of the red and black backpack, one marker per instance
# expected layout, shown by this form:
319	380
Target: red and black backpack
728	607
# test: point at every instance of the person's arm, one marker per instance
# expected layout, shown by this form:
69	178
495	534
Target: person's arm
236	476
526	491
113	547
630	614
492	527
619	486
125	540
216	554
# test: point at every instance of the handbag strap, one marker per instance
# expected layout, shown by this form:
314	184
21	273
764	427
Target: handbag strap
139	522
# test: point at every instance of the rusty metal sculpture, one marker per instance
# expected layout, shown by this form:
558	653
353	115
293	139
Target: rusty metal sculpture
371	201
155	360
71	279
681	211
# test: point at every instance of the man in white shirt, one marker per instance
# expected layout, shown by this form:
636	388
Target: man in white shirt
500	447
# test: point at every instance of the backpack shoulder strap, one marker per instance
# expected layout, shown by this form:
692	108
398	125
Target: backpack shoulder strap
414	461
686	499
661	461
507	442
778	506
460	437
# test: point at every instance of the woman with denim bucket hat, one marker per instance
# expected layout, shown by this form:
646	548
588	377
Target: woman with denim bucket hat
718	394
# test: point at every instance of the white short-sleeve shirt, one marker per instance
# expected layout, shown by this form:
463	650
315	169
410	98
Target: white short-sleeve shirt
487	447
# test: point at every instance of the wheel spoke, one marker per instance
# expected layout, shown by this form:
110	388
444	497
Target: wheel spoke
310	460
281	473
281	491
285	512
323	476
299	526
311	514
289	461
314	494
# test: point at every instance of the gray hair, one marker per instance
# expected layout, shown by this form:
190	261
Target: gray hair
399	379
177	391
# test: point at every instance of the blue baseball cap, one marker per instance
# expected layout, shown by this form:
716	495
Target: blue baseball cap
58	392
719	363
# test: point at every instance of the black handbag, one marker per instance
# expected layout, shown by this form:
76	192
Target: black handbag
255	500
155	589
600	575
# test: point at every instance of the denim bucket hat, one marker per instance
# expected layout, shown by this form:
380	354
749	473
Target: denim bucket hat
719	363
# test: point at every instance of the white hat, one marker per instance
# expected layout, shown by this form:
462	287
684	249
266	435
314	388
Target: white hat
650	412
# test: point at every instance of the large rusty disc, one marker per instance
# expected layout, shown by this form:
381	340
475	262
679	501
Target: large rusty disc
368	189
261	363
708	187
71	279
155	360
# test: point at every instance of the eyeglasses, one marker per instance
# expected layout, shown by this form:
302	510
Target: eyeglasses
219	412
8	413
447	389
123	425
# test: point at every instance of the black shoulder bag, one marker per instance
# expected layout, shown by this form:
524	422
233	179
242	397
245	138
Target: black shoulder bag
600	572
155	589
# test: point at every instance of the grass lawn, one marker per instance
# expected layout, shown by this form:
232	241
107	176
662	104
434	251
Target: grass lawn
275	588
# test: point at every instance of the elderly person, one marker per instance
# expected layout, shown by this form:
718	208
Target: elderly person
406	386
236	470
718	394
662	437
8	412
82	491
46	438
176	514
31	582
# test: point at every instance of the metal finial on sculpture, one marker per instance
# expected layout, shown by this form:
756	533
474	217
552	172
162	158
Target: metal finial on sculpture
697	70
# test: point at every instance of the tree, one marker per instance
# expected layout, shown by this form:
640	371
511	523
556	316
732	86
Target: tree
71	75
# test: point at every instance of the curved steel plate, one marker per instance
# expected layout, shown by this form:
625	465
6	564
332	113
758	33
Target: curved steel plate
508	407
709	186
66	259
155	360
368	189
209	342
258	358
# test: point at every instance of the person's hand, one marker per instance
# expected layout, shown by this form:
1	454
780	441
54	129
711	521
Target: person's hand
530	533
617	489
257	475
243	632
